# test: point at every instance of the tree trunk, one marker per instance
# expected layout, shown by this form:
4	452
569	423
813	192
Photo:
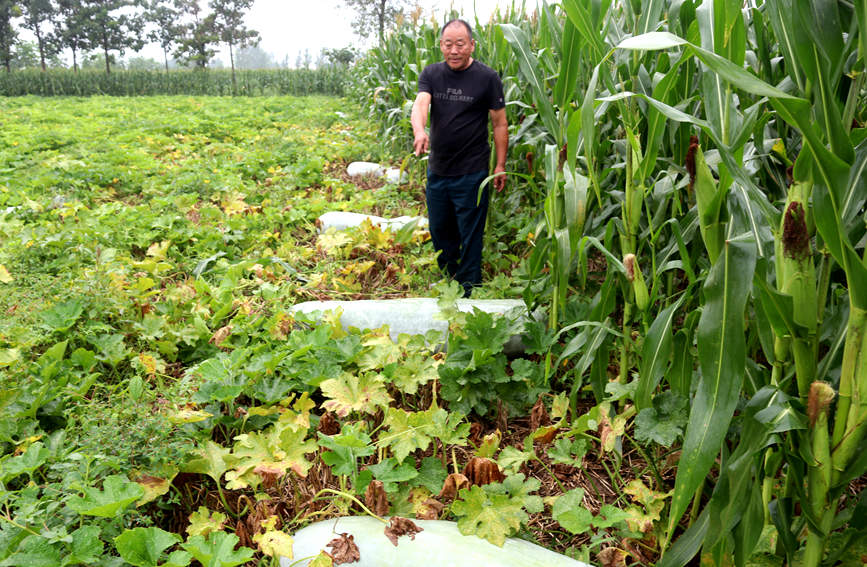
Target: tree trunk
107	66
232	63
74	59
381	22
166	58
41	43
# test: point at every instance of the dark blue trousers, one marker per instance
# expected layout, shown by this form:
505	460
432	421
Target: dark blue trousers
457	224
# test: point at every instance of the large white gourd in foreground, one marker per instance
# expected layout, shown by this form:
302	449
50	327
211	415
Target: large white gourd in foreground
440	544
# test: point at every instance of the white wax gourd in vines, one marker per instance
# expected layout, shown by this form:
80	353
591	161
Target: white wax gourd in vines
439	544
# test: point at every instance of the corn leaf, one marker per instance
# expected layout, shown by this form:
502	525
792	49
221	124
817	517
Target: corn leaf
861	14
650	12
722	357
780	16
570	63
529	65
579	14
655	355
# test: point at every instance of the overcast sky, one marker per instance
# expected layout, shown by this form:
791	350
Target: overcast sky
288	27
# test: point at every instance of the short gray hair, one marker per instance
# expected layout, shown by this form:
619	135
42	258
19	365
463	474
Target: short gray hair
457	21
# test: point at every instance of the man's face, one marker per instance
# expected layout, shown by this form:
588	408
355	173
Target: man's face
457	47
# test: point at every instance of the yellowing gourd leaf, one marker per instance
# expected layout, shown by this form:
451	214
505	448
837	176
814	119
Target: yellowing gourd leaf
299	416
158	250
5	276
203	522
331	241
274	543
235	206
407	431
379	351
652	502
493	518
322	560
365	393
188	415
270	453
154	486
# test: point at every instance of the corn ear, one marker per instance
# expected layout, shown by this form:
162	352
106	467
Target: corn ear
798	270
819	476
636	278
797	273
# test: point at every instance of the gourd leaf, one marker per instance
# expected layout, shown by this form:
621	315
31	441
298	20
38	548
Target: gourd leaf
117	493
407	431
570	514
351	392
212	460
27	462
144	547
34	551
490	517
391	473
218	550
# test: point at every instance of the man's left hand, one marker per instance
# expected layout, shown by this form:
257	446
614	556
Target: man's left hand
500	180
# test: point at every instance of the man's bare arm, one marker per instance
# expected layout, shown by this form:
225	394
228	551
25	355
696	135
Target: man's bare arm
501	145
418	119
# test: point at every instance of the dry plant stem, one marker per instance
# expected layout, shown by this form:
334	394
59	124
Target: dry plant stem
551	474
349	497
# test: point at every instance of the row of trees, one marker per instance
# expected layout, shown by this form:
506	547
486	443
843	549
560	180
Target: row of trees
182	28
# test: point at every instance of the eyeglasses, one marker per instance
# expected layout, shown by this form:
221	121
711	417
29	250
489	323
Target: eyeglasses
447	45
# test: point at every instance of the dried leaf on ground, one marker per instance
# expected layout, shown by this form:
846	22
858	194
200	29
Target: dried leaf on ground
429	509
343	549
270	475
539	415
424	506
481	471
221	335
328	425
398	526
375	498
612	557
454	482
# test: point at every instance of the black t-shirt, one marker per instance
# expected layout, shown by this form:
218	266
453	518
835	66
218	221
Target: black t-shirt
460	101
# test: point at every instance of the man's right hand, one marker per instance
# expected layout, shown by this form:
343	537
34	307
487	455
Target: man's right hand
421	143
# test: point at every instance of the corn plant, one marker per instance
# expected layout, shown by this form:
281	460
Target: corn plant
656	136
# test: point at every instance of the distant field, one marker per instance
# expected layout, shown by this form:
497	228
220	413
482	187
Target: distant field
212	82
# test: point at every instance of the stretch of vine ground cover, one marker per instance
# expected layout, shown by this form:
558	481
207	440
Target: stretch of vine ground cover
160	406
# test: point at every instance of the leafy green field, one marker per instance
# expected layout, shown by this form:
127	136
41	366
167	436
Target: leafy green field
145	243
155	389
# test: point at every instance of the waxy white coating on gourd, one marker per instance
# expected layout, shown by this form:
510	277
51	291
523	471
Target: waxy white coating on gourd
412	315
341	220
439	545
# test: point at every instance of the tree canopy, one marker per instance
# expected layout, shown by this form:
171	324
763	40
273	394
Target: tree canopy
375	15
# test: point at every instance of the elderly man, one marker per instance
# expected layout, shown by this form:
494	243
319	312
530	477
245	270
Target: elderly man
461	94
